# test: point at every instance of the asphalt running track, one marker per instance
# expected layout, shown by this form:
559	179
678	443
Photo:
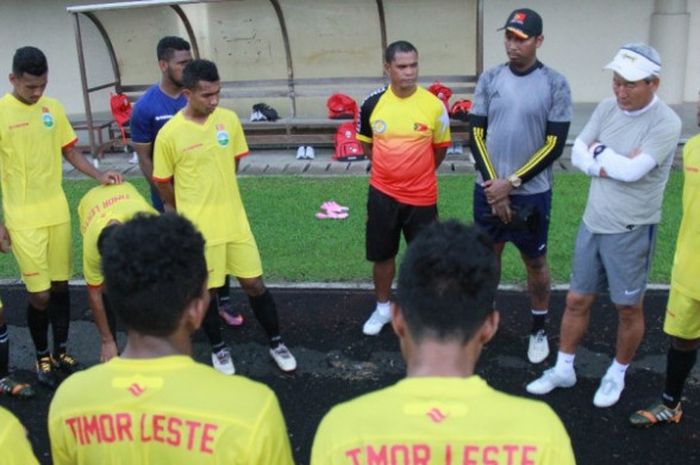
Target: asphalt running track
322	327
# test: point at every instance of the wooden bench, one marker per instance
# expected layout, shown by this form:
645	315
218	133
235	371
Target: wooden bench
301	103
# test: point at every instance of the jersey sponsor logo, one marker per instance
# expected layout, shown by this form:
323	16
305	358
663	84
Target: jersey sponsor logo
632	292
192	147
136	390
420	127
23	124
379	127
449	454
173	431
47	118
163	117
436	415
222	136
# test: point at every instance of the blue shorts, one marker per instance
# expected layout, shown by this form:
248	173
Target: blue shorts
533	243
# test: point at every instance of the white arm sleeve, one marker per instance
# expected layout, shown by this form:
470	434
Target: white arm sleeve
582	159
625	169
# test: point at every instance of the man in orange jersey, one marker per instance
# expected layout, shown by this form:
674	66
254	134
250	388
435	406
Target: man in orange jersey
405	130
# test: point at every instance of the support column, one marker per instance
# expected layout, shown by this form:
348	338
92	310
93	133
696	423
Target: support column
669	36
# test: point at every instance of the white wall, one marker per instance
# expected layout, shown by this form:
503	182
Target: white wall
580	38
46	24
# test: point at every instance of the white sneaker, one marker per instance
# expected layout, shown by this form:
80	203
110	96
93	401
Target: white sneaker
223	362
550	381
301	152
310	153
134	158
609	391
538	349
283	358
375	323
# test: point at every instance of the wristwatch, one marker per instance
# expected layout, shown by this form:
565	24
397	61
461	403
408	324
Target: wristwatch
515	181
598	150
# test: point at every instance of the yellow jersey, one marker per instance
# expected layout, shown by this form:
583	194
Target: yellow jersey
97	208
686	266
202	158
14	445
450	421
32	139
167	410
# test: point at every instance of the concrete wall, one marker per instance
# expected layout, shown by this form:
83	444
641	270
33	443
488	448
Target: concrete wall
580	38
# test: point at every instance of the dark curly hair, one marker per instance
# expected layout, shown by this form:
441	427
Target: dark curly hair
29	60
396	47
199	70
168	45
447	282
154	267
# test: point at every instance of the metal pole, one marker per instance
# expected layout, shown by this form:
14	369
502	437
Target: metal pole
84	84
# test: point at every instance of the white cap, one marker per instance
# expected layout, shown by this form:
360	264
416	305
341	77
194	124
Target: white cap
635	62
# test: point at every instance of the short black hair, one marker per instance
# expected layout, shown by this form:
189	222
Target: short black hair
29	60
168	45
447	282
199	70
396	47
154	267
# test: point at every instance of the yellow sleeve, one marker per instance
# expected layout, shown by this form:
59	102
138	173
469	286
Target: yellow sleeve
15	447
322	448
441	135
240	145
163	158
92	263
269	441
66	134
560	452
60	450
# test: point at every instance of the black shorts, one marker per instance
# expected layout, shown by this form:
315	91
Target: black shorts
387	218
531	243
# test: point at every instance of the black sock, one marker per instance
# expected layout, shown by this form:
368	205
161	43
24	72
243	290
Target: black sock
38	323
265	311
539	317
59	314
223	294
4	351
212	326
678	366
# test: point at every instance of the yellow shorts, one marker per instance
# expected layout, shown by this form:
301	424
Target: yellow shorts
43	255
240	259
682	316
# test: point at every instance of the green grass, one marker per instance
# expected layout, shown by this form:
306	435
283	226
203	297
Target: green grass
295	246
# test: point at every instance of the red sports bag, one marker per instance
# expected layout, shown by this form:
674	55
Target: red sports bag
341	106
347	147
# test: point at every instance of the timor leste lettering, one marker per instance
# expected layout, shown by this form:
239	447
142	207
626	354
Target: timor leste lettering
174	431
100	207
447	454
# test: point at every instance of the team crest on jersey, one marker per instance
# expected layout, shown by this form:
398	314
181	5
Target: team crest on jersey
47	118
420	127
221	135
379	126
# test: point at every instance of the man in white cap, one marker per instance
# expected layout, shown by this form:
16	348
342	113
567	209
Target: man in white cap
627	148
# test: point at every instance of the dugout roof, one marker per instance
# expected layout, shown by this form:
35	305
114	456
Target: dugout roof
276	49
